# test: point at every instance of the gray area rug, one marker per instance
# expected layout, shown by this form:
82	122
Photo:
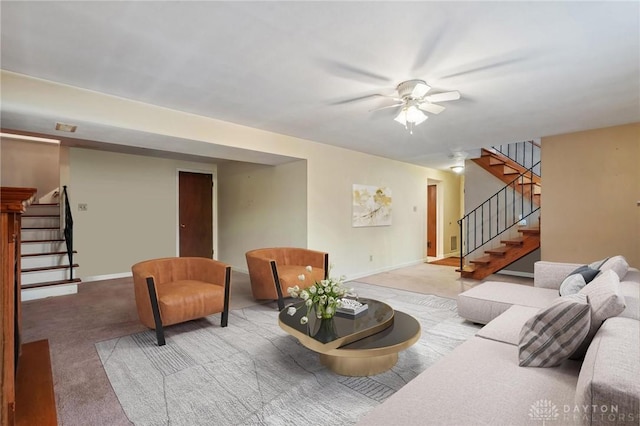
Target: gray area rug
253	373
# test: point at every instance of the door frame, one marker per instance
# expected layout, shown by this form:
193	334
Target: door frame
439	217
214	212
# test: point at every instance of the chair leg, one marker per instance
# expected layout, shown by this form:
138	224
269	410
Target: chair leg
156	311
225	312
276	279
326	266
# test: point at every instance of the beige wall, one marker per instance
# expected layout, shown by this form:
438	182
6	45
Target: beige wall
591	190
260	206
29	164
131	209
330	173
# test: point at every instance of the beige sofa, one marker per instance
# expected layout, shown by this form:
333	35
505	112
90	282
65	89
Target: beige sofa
481	383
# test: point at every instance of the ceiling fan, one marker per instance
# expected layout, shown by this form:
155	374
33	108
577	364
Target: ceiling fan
413	100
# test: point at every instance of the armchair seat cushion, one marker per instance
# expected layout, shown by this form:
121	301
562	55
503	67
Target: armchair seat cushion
189	299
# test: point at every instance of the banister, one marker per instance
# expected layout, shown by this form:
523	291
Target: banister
68	230
503	195
517	152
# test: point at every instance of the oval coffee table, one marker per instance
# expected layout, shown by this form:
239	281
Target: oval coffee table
363	345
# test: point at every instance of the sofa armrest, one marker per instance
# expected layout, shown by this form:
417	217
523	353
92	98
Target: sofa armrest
551	274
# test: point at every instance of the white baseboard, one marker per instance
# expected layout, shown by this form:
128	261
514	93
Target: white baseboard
516	273
52	291
106	277
355	276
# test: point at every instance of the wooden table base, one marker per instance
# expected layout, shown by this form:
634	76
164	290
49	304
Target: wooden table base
359	367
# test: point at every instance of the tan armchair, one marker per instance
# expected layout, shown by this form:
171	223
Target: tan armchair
177	289
273	270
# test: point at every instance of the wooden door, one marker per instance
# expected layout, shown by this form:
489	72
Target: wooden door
196	214
432	203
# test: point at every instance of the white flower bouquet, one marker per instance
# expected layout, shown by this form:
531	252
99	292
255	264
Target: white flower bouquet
323	297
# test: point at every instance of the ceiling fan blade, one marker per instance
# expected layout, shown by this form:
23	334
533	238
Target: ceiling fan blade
432	108
361	98
351	72
388	106
420	90
446	96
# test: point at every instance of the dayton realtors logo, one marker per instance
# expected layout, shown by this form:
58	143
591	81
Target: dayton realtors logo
543	410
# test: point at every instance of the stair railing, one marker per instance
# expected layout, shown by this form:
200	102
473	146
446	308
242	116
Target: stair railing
526	154
499	213
68	230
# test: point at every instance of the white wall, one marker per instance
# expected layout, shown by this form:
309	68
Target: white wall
132	208
29	164
261	206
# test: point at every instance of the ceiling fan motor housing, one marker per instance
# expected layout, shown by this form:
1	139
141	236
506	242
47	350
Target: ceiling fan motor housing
406	88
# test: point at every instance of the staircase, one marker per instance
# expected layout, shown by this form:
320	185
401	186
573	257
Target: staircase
45	268
492	234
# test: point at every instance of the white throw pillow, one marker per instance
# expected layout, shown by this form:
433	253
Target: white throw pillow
606	301
616	263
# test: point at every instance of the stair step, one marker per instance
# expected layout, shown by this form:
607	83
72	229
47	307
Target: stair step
529	231
484	260
40	222
513	242
48	268
50	253
466	268
499	251
50	283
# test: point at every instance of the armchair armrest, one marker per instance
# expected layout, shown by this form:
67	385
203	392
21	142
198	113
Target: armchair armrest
208	271
551	274
305	257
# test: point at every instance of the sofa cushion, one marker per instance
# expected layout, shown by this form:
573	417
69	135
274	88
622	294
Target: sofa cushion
606	301
609	377
550	336
506	327
486	301
479	383
616	263
577	279
631	292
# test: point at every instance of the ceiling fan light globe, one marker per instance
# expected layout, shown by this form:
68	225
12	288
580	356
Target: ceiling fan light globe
401	117
414	115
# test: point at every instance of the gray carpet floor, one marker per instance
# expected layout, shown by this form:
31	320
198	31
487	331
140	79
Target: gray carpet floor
253	373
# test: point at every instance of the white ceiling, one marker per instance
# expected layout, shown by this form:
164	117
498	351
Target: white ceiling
524	69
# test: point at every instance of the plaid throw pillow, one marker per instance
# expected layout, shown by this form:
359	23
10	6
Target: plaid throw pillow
554	333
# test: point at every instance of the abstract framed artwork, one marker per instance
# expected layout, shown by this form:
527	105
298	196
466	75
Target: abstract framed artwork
371	206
